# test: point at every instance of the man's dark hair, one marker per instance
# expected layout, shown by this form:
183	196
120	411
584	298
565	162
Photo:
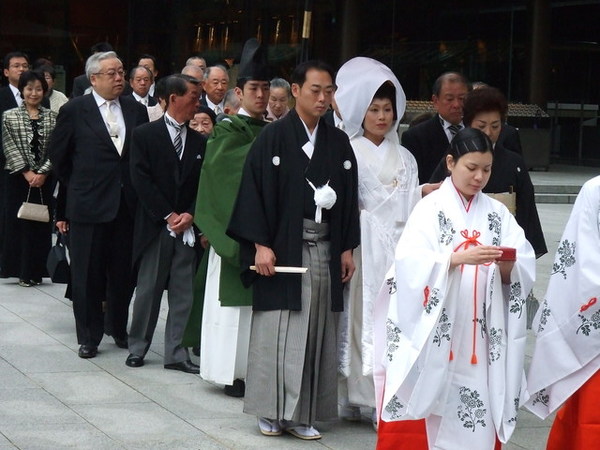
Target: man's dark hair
177	84
147	56
32	75
101	47
12	55
485	99
451	77
299	74
160	90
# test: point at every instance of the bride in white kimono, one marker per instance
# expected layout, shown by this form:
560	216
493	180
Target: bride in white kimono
456	325
371	103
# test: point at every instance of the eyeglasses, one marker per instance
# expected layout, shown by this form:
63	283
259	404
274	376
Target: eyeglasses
112	73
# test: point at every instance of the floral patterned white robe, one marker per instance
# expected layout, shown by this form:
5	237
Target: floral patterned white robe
456	337
567	348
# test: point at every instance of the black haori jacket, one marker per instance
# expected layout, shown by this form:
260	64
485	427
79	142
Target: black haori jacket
270	207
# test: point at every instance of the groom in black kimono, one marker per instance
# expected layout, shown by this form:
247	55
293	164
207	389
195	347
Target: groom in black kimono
297	206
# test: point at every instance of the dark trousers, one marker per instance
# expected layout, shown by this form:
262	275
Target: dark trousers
101	272
166	263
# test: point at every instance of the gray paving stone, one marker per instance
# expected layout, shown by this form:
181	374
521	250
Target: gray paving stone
33	406
140	424
195	401
16	333
152	373
45	358
8	317
12	378
95	387
81	436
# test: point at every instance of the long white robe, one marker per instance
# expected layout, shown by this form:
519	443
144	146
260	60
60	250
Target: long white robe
222	359
567	348
387	191
455	338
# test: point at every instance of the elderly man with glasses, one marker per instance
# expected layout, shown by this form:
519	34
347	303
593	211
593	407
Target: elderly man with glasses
89	150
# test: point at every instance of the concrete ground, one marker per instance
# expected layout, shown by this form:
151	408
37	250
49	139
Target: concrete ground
51	399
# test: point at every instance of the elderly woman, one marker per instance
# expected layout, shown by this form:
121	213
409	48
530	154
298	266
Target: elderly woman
204	121
25	133
279	97
371	103
485	109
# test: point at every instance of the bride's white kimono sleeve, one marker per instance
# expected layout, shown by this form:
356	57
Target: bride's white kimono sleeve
456	337
567	348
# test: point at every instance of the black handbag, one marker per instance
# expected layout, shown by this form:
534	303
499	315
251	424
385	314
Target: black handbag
57	263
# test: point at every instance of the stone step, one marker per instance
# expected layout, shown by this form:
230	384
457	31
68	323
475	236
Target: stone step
564	199
557	189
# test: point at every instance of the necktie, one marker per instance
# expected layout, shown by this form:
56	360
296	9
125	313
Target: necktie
218	110
144	101
177	143
454	129
113	127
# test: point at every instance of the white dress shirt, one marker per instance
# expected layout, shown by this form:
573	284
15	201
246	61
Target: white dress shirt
116	110
16	94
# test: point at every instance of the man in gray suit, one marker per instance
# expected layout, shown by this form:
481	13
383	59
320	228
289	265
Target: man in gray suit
166	156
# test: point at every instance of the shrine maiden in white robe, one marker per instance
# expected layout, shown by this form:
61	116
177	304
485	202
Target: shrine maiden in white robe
455	338
567	348
388	189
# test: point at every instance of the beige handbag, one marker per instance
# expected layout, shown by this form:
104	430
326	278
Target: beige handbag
34	211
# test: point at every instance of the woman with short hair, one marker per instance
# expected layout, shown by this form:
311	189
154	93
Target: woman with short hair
25	134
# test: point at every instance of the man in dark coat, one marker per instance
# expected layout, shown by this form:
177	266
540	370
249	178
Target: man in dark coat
428	141
297	206
166	156
89	150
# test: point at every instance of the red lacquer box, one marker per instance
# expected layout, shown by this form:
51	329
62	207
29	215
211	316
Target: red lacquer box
508	254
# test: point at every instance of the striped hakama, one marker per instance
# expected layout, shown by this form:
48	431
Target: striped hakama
292	361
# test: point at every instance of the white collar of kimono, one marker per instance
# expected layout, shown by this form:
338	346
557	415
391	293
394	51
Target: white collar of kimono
309	147
357	82
242	112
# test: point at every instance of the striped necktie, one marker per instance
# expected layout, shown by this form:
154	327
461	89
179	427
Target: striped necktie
454	129
177	143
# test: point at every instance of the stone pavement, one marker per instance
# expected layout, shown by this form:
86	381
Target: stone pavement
51	399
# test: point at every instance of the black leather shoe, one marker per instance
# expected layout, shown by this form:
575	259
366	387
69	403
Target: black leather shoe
237	389
121	342
134	361
184	366
87	351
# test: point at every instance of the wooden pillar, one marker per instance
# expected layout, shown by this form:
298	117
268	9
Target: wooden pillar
539	51
350	31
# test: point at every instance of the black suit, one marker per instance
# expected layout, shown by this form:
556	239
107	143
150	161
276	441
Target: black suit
151	100
509	138
80	84
427	142
100	206
164	185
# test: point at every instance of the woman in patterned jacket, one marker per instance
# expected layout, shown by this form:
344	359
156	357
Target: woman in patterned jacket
25	133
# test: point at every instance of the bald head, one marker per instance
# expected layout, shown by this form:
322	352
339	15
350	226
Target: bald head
193	71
